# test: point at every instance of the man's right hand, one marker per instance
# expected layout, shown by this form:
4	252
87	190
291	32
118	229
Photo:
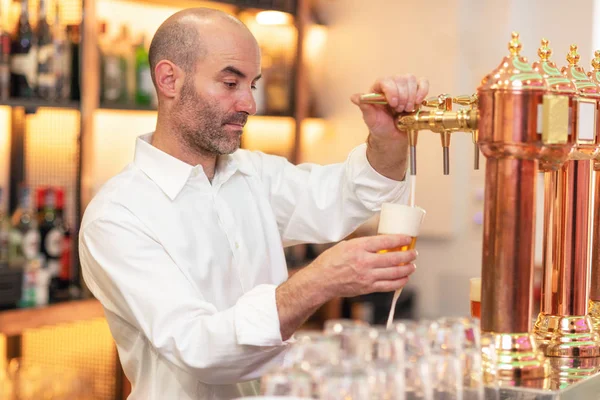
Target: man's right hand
350	268
358	266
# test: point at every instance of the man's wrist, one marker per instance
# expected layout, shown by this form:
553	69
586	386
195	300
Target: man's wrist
388	156
315	284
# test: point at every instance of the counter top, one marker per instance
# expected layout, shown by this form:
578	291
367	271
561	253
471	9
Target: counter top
14	322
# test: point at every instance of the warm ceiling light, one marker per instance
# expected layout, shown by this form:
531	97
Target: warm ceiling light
273	18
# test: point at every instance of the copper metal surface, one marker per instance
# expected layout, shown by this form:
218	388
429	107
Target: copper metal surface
595	273
576	213
508	237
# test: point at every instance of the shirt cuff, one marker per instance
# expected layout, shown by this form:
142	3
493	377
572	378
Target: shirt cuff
372	188
257	319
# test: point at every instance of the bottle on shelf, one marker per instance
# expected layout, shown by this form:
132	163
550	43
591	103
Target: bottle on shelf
144	86
46	80
277	84
5	44
127	55
23	63
51	238
67	287
24	250
74	39
24	241
4	233
114	71
62	58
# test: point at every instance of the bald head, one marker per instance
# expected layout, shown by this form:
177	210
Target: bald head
181	39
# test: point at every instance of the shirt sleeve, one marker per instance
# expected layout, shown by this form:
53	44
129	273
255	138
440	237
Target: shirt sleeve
321	204
133	277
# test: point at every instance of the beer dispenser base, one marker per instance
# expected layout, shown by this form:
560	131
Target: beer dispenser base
594	313
575	337
516	356
567	336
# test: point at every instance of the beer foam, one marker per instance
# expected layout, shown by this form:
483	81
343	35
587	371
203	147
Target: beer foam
400	219
475	289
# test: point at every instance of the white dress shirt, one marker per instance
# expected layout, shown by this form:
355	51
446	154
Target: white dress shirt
186	269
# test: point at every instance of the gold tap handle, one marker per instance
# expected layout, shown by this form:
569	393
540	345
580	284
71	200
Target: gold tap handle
433	102
443	102
465	100
373	98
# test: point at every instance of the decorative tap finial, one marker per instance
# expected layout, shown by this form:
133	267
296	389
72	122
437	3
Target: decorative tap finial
515	44
573	56
544	51
596	61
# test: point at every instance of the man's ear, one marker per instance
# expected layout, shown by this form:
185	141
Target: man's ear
167	76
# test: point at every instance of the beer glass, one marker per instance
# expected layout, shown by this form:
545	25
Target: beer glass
400	219
291	381
355	338
475	297
404	220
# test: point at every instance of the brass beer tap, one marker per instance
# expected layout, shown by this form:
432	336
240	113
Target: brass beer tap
436	115
471	103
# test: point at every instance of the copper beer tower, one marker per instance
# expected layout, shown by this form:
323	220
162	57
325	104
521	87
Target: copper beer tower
530	119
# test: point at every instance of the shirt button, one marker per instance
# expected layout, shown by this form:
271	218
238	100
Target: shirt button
237	245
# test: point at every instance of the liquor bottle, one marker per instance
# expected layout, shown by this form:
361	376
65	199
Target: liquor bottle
24	239
114	72
126	52
4	234
66	278
4	58
277	85
46	87
51	234
23	63
73	33
143	79
62	57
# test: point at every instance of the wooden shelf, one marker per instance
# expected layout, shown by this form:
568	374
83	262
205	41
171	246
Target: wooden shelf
126	107
14	322
276	5
39	103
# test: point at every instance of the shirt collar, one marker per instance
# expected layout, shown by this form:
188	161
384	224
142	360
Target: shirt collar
170	173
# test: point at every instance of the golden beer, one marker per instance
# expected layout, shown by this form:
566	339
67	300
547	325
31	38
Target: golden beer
409	246
475	297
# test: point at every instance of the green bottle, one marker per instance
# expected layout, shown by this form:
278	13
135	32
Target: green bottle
143	78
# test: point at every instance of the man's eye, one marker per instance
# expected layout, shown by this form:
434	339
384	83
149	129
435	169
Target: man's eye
253	87
231	85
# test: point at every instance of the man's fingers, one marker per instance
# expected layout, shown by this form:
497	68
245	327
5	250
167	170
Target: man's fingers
422	90
391	259
390	286
393	273
388	87
412	85
403	93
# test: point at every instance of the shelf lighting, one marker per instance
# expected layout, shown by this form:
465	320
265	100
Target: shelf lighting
274	18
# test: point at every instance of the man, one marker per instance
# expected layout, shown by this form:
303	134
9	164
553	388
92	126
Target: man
184	248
